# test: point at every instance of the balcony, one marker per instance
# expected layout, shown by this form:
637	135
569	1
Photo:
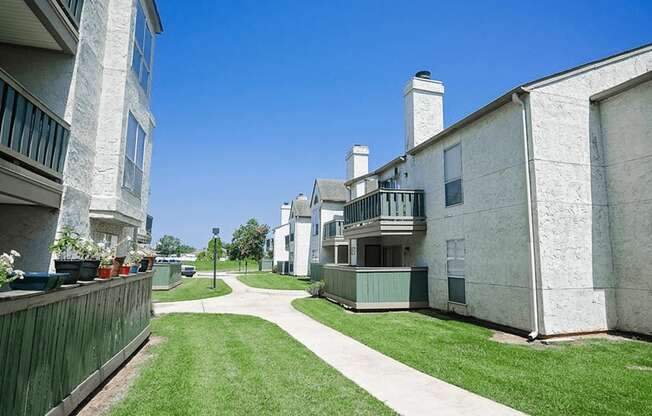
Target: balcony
46	24
376	288
33	146
334	232
385	212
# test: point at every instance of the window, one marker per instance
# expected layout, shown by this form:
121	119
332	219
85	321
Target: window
315	230
389	184
453	175
132	178
455	252
110	241
142	59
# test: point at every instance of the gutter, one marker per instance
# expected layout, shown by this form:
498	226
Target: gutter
534	305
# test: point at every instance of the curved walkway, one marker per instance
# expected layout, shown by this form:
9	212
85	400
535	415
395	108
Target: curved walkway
402	388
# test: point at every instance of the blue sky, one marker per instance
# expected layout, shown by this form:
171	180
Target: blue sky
255	99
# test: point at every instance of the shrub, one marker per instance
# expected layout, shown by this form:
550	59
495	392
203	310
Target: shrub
316	289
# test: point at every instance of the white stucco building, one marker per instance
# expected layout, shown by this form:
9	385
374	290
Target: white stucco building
281	244
299	236
327	243
75	81
533	212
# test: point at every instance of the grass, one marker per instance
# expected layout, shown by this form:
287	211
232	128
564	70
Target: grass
274	281
590	377
238	365
227	265
191	289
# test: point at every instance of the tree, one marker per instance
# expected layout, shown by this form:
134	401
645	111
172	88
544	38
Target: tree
249	241
185	249
210	248
168	245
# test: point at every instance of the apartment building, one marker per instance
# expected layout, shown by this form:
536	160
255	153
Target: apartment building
75	121
299	236
533	212
327	243
281	241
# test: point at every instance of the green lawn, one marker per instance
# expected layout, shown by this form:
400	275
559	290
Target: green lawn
274	281
238	365
190	289
590	377
227	265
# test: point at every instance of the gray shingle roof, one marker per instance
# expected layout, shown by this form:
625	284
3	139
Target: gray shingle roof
301	207
332	190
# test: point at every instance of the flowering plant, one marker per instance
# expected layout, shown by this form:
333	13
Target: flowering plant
88	249
106	255
69	242
7	270
134	256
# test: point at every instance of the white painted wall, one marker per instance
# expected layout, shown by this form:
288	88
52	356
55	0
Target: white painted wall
280	253
300	247
322	212
626	132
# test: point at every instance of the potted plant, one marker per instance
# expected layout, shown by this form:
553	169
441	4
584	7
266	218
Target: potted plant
7	271
18	280
150	256
134	259
89	251
66	247
106	262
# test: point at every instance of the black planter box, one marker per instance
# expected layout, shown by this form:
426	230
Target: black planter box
89	270
71	267
39	281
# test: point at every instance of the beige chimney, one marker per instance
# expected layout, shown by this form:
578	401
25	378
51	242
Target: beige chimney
285	213
424	109
357	164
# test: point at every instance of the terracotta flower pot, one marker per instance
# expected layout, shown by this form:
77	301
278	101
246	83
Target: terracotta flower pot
117	264
105	272
125	270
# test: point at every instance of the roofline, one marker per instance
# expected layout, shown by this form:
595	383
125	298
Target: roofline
622	87
526	88
395	161
493	105
314	186
153	9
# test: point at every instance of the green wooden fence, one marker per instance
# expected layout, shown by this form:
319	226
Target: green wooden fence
377	287
57	347
316	272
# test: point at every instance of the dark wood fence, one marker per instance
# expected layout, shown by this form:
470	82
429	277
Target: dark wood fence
57	347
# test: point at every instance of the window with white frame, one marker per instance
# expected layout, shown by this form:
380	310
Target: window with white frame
453	175
143	41
455	252
132	178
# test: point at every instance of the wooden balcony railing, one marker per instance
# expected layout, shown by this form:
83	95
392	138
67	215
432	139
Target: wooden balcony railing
386	204
30	133
73	9
333	229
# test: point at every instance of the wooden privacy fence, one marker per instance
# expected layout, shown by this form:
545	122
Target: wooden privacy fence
57	347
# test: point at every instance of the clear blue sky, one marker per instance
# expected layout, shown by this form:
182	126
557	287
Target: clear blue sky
255	99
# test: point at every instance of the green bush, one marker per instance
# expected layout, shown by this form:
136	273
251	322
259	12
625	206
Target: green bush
316	289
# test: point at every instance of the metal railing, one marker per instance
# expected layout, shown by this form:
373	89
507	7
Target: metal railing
387	203
333	229
73	9
30	133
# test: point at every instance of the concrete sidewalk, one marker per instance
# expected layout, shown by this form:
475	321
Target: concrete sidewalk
402	388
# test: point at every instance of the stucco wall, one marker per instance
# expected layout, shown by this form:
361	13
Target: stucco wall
280	253
300	247
492	218
626	127
29	230
571	207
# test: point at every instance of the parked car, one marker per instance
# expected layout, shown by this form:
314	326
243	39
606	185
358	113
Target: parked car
188	270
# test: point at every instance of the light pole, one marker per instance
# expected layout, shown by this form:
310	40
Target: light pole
216	233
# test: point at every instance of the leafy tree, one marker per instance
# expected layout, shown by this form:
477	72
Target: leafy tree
249	241
168	245
185	249
210	251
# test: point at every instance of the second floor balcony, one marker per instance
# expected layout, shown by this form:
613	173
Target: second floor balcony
333	231
385	212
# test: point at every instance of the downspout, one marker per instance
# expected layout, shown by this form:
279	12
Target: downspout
534	307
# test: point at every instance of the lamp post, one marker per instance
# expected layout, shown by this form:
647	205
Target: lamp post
216	233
